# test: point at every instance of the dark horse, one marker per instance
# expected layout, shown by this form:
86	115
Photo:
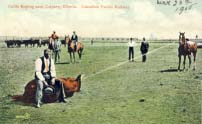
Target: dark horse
72	49
186	47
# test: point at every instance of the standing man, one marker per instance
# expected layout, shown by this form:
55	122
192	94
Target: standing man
131	45
144	49
45	75
74	38
57	46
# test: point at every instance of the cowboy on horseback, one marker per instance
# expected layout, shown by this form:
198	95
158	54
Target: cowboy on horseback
45	76
74	38
52	40
54	36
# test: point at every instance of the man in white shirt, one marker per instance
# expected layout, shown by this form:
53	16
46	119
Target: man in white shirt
45	75
131	45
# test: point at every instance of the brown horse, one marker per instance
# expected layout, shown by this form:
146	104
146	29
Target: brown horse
51	46
72	48
70	85
186	47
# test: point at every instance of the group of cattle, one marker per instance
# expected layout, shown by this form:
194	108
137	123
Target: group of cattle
30	42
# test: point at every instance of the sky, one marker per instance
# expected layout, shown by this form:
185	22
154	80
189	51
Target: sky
136	18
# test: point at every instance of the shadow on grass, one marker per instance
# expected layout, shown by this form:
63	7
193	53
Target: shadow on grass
198	76
61	63
170	70
21	103
8	101
19	100
135	61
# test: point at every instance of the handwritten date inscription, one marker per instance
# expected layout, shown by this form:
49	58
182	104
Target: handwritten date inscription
181	6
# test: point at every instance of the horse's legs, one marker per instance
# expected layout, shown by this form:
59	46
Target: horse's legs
189	56
70	54
179	56
79	53
194	60
55	56
184	62
73	56
58	55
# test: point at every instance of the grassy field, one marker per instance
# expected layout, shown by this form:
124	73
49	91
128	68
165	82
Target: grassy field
113	91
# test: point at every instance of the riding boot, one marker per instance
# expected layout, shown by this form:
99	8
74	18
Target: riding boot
62	94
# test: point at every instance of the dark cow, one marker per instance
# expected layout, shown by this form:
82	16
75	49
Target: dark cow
36	42
63	42
13	43
27	42
45	42
9	43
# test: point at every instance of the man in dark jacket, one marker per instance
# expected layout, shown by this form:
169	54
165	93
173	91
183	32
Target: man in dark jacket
144	49
74	38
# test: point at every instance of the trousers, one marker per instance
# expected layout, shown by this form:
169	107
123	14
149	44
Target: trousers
40	87
131	53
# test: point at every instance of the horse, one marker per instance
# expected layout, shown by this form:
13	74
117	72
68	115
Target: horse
72	49
70	86
51	45
64	42
186	47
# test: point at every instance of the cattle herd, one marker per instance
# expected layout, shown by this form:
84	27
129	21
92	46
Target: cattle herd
28	42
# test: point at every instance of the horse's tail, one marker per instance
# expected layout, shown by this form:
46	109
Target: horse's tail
17	97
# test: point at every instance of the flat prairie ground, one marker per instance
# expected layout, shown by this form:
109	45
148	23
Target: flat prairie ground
113	91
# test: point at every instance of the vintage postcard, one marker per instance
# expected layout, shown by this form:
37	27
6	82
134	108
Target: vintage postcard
100	61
